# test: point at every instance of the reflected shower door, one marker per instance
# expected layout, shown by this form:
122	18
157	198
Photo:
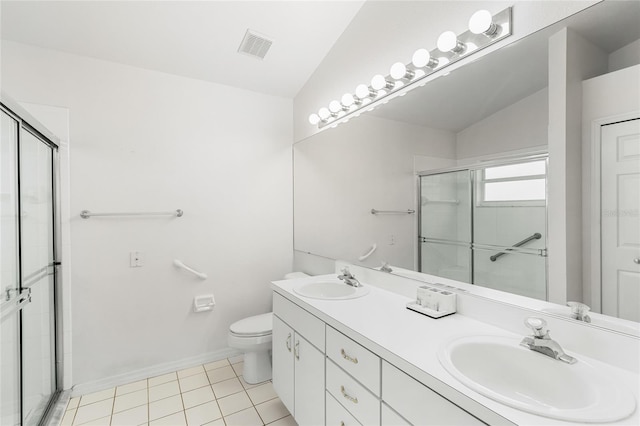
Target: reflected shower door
37	262
9	281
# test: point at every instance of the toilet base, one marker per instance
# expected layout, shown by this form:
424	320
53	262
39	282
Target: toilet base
257	367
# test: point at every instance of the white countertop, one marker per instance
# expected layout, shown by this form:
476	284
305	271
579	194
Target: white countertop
410	341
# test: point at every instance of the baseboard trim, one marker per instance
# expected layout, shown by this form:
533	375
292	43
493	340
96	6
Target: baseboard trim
156	370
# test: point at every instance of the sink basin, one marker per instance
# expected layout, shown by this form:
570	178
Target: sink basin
330	290
500	369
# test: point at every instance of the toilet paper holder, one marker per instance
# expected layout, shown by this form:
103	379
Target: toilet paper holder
203	303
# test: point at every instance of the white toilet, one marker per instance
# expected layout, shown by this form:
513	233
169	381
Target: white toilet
252	336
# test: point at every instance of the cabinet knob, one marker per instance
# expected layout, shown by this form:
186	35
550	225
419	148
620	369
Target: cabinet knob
636	260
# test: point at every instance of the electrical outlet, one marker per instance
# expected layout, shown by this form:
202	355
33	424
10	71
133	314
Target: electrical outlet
135	259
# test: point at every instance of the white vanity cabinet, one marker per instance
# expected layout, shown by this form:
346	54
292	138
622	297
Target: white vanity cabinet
419	404
298	361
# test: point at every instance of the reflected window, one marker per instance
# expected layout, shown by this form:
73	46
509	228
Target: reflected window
522	184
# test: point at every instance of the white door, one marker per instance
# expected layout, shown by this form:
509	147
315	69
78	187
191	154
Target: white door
620	219
282	362
309	383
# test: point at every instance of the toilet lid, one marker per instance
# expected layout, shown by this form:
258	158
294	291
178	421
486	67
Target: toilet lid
258	325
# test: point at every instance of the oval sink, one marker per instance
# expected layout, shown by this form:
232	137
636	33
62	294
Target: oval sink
330	290
500	369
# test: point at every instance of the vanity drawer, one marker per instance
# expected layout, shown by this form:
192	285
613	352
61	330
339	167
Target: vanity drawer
307	325
361	363
361	403
419	404
337	415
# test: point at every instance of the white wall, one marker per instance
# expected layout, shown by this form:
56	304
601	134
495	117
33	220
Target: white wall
146	141
624	57
342	173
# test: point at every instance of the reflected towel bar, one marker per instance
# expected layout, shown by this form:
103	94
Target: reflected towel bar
409	211
535	236
181	265
86	214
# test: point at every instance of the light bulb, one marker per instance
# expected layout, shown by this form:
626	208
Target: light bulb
314	119
481	22
378	82
324	113
335	107
347	100
422	58
362	91
399	71
448	42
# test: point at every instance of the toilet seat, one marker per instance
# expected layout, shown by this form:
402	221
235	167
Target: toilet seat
256	326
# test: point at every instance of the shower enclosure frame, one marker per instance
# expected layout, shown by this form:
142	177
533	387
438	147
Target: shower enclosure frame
472	169
27	123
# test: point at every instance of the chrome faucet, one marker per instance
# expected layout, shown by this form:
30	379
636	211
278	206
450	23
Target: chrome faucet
348	278
541	342
386	267
579	311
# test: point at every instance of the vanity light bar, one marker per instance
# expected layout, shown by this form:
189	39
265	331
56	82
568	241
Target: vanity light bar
484	30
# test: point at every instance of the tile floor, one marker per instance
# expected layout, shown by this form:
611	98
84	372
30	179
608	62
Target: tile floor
209	394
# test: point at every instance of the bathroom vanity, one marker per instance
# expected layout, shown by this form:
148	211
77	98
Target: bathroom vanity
368	360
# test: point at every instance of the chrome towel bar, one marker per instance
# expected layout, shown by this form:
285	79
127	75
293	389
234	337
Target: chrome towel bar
408	211
86	214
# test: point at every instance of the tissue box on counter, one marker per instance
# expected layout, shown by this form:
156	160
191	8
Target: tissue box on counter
433	302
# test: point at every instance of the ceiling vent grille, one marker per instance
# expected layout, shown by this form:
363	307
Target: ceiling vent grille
255	45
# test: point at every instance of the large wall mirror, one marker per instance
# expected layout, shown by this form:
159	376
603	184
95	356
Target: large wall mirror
489	113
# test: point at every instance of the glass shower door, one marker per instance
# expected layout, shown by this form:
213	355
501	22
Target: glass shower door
37	261
9	277
445	225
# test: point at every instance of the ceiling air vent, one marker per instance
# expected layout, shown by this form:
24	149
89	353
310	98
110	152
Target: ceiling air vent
255	44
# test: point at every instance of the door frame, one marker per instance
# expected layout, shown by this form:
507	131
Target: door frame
594	224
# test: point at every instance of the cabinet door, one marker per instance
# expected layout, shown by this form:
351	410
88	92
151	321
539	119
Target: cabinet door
282	361
309	383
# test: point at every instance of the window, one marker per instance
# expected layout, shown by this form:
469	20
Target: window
522	184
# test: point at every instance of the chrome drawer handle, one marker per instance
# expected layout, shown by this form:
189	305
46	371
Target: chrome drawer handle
347	357
289	342
347	396
296	350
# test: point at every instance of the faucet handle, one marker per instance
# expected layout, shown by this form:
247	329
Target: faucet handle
579	311
537	325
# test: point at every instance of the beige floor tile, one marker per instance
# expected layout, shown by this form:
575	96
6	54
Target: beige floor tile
197	397
103	421
93	411
194	382
262	393
130	400
164	390
248	417
234	403
220	374
158	380
73	403
219	422
250	385
67	419
238	368
203	413
287	421
190	371
216	364
236	359
272	410
131	387
227	387
132	417
176	419
97	396
165	407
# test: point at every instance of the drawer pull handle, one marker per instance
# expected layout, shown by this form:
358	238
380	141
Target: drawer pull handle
296	350
347	396
289	342
347	357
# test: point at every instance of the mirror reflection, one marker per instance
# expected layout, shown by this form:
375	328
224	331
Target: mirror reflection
458	172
